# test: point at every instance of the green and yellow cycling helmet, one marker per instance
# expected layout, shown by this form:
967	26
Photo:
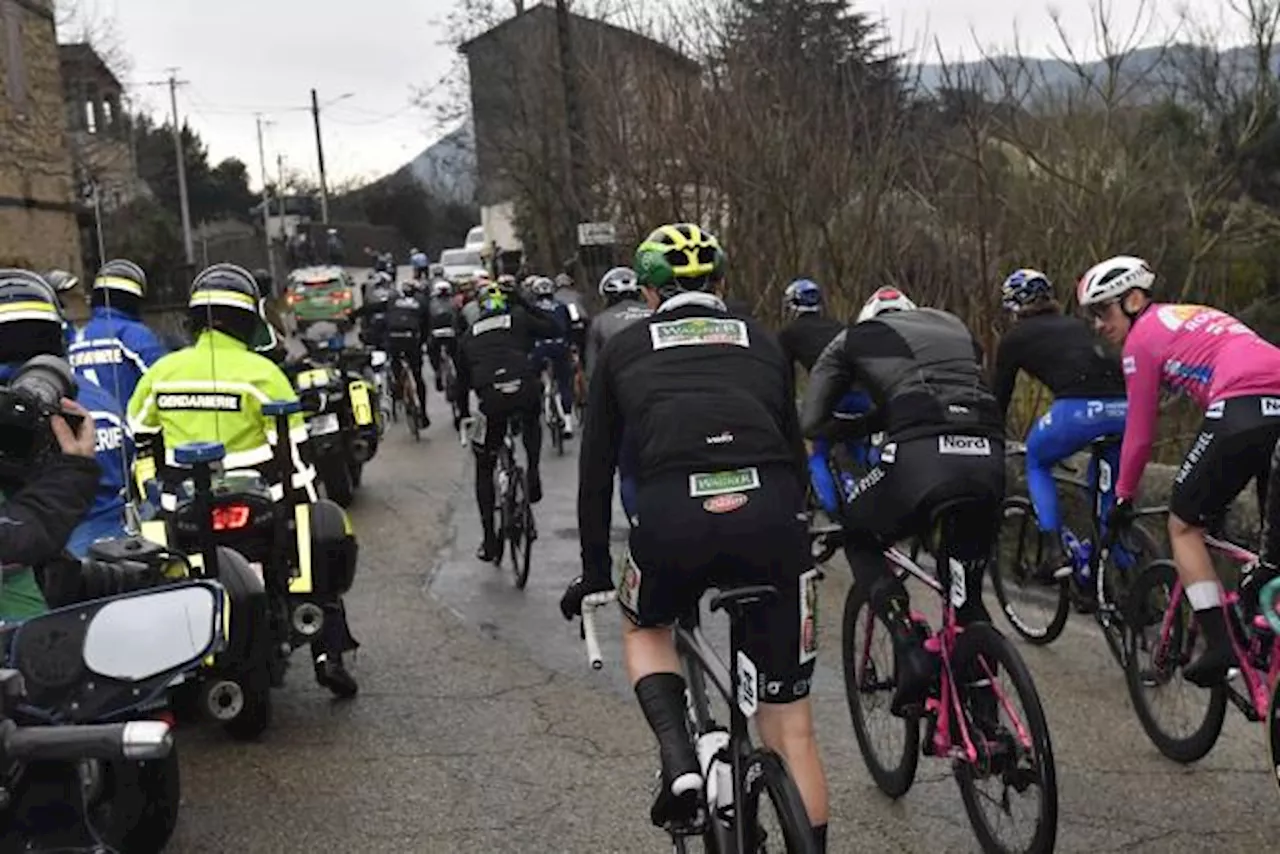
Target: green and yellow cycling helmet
679	257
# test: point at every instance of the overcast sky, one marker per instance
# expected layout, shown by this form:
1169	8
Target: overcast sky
247	56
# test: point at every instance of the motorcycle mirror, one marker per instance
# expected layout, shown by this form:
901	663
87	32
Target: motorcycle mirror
143	635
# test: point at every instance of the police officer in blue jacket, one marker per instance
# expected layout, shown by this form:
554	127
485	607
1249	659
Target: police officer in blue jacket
39	331
115	347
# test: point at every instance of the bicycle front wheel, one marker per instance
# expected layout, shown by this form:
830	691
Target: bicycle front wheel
1162	638
783	824
890	745
1007	726
1036	607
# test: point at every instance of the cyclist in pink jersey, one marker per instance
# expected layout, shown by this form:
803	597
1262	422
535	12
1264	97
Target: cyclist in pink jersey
1231	372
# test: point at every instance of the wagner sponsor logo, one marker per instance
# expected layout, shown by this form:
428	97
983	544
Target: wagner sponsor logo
694	331
721	482
964	446
202	401
725	503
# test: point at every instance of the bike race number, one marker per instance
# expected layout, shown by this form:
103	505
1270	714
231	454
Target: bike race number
748	685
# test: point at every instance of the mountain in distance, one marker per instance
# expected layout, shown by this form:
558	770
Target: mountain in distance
1165	70
447	168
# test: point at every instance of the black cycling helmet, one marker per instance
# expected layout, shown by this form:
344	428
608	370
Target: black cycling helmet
679	257
31	321
226	297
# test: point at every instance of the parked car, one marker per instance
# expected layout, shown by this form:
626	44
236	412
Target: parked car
475	239
460	263
320	293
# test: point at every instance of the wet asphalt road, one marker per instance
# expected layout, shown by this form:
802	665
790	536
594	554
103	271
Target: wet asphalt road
479	726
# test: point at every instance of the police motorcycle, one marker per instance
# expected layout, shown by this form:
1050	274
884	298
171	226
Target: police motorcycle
300	557
84	764
342	423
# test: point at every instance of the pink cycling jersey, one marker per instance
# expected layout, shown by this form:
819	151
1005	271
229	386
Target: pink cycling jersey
1194	350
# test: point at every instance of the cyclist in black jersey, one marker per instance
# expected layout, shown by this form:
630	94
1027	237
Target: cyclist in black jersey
707	400
944	441
810	330
1062	353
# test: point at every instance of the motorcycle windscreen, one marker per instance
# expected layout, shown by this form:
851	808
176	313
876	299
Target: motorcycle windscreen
100	660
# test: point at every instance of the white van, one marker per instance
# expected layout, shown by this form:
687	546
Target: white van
460	263
475	238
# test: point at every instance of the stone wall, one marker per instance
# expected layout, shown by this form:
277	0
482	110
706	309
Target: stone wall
37	192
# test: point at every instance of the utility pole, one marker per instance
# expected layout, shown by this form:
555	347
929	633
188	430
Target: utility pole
573	118
324	187
280	184
182	169
266	206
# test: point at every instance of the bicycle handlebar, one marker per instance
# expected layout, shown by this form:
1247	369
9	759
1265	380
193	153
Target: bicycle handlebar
590	604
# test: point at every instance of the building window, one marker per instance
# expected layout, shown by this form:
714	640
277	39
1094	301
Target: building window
90	118
16	79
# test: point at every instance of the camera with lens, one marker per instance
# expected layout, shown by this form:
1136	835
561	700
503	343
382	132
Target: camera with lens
33	395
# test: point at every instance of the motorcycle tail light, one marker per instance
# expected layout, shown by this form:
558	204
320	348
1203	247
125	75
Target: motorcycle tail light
231	517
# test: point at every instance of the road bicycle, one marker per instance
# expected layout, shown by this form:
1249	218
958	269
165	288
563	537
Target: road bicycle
1103	564
1165	638
517	529
404	387
738	778
968	717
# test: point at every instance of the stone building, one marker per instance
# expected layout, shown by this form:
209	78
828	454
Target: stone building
99	135
518	105
38	195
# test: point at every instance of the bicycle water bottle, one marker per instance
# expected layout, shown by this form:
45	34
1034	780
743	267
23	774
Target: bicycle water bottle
716	772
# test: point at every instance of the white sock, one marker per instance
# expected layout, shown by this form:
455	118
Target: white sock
1204	595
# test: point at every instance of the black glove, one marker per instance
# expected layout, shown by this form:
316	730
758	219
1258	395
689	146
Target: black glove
1122	516
579	589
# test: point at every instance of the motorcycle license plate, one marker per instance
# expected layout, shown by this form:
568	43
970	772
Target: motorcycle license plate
360	407
324	424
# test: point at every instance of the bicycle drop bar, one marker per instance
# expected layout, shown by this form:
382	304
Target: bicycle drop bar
590	603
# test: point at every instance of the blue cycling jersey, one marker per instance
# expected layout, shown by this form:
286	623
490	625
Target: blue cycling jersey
820	474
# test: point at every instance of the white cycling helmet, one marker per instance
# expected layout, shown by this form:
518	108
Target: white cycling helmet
1114	278
619	280
885	300
441	289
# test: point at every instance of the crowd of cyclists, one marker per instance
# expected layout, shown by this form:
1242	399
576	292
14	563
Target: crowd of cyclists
693	407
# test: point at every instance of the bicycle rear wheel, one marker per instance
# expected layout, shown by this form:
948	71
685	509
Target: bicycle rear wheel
1014	750
785	826
554	423
868	687
1273	733
1161	639
413	415
519	528
1037	609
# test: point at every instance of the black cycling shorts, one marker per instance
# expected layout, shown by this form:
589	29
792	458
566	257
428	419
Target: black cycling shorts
1233	447
697	531
895	498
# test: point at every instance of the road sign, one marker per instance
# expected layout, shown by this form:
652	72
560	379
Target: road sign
596	234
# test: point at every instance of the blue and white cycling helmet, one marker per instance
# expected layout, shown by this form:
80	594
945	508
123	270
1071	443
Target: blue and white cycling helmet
1024	287
803	296
542	287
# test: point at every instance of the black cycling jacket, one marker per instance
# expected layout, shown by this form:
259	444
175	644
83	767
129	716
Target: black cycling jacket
609	323
1062	353
496	346
696	389
804	338
921	369
37	519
